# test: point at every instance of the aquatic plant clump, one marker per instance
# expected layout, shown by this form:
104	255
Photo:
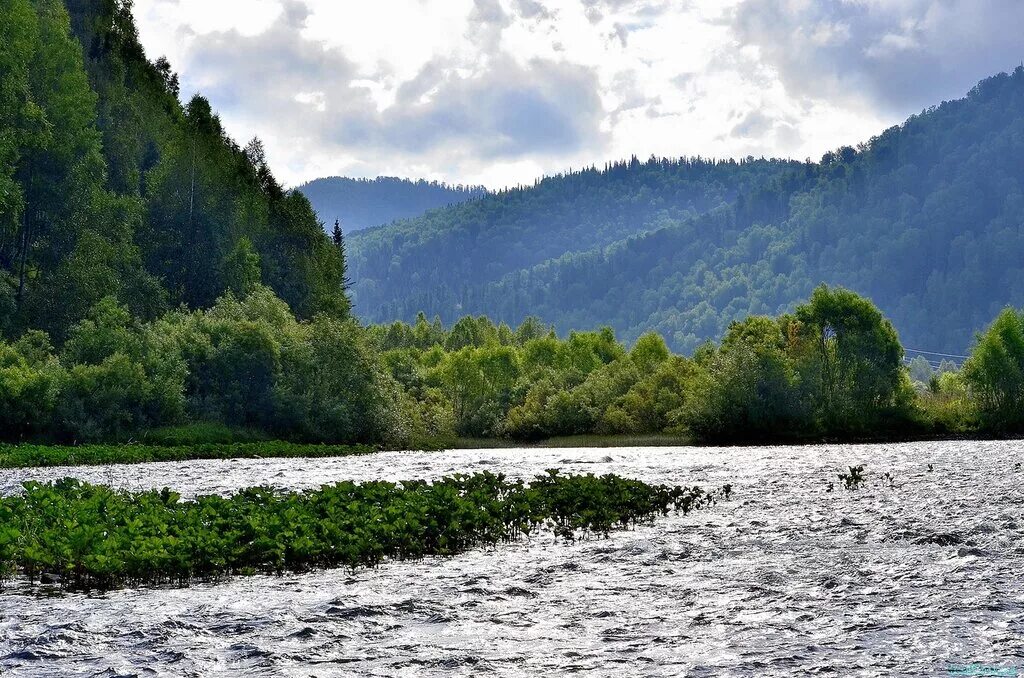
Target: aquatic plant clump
90	536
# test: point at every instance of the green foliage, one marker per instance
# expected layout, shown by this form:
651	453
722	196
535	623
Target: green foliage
244	363
109	187
833	369
995	373
171	444
29	378
201	433
949	407
851	362
332	388
120	378
748	389
95	537
242	268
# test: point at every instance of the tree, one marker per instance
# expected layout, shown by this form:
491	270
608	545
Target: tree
242	268
994	373
649	352
921	371
850	361
338	238
746	390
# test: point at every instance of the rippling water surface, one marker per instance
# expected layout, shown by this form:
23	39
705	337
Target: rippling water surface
920	576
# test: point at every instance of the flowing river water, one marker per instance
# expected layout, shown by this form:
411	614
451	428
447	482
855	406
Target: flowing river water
915	574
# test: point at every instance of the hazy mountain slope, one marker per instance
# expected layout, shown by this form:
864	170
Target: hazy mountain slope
362	203
430	261
927	219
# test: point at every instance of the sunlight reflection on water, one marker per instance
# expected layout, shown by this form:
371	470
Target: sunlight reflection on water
784	578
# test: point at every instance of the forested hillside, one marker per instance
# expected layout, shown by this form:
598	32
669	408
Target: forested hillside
109	186
362	203
438	262
927	219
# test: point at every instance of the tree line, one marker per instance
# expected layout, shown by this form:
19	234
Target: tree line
832	369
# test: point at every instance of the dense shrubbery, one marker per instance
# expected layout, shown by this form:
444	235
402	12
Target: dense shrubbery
833	368
994	375
246	370
244	363
91	536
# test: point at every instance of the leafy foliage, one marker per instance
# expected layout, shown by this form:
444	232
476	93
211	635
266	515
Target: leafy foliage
995	373
92	536
109	187
243	363
834	368
29	456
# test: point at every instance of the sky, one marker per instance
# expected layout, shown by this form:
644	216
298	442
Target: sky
500	92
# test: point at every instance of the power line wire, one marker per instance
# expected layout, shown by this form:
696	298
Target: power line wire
945	355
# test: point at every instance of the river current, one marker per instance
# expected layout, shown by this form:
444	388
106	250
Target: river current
918	573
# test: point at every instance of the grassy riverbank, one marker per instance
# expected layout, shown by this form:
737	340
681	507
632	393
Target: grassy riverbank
27	456
30	456
86	536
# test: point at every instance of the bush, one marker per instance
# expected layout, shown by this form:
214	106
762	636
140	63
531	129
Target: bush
332	387
994	374
30	378
201	433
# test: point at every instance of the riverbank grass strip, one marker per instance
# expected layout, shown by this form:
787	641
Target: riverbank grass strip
86	536
29	456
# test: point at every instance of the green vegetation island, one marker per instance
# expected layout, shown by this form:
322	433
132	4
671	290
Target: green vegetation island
85	536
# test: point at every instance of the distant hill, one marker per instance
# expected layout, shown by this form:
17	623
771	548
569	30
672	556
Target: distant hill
440	261
927	219
362	203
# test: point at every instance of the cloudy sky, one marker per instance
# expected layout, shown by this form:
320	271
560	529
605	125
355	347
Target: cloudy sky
499	92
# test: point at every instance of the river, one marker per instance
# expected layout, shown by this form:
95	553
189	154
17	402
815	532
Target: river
915	574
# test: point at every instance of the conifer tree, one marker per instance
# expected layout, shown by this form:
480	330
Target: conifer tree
339	242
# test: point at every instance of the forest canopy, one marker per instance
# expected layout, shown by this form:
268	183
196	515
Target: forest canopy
110	186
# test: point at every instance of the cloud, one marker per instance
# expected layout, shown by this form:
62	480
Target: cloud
311	95
895	55
531	9
499	91
506	111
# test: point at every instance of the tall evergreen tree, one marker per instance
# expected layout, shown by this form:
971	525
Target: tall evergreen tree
339	243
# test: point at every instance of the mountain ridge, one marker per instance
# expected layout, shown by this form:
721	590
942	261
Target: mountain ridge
925	218
363	203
